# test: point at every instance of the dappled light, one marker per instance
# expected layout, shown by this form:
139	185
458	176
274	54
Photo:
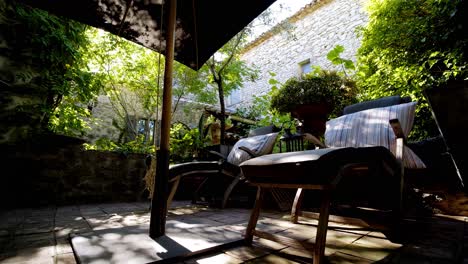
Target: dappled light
109	132
119	232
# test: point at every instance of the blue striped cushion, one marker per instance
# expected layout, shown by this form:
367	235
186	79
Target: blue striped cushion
371	128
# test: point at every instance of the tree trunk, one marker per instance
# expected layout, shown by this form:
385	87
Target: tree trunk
218	79
222	118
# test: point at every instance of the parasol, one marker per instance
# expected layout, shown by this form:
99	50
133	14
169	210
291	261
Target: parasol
189	31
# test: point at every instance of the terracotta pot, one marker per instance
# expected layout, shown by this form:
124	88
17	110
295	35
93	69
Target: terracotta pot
313	117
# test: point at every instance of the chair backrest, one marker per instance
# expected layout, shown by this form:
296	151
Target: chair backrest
381	102
263	130
258	145
371	127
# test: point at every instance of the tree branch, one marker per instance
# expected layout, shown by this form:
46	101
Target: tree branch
239	38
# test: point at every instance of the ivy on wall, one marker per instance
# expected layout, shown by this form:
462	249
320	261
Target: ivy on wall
42	59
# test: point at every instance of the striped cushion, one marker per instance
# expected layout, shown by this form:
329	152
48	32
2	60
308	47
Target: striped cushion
260	145
371	128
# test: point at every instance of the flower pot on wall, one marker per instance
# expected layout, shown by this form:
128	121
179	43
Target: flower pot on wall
449	105
313	117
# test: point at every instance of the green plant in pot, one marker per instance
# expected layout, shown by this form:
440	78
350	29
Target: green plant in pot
314	98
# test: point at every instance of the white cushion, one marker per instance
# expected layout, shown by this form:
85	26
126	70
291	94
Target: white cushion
260	145
372	128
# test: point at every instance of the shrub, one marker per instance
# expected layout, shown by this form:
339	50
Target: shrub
409	46
327	87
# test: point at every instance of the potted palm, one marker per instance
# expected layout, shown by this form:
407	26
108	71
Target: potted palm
314	98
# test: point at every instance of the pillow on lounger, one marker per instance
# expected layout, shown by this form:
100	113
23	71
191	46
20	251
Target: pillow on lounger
260	145
372	128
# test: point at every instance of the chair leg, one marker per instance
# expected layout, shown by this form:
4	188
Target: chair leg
228	191
296	207
175	184
320	240
398	211
196	194
254	216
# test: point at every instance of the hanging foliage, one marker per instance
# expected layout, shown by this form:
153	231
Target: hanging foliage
409	46
43	54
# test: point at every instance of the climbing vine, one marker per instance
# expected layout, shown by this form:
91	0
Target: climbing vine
44	53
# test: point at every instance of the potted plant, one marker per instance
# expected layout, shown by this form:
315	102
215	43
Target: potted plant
314	98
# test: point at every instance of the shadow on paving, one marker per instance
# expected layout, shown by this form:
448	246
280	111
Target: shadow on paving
132	244
118	233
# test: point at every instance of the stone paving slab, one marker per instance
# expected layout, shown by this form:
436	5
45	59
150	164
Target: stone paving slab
40	255
343	258
215	259
246	253
272	258
42	235
132	244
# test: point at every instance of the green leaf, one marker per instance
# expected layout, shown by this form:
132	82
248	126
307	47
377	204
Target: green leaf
349	64
335	53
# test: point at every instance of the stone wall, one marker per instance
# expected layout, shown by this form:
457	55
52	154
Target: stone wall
105	117
56	170
103	125
318	28
20	100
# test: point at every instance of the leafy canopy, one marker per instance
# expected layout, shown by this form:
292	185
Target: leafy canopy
409	46
47	55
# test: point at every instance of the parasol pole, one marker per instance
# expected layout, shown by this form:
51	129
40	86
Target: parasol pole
159	201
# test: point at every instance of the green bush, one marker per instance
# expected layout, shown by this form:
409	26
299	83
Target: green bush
46	54
185	143
327	87
135	146
409	46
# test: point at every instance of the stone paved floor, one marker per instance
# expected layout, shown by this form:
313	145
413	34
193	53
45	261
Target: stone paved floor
42	235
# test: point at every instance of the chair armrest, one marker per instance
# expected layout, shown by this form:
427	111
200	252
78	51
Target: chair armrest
217	154
314	140
400	138
396	126
250	152
400	142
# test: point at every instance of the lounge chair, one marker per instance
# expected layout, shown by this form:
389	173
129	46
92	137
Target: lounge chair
259	142
351	151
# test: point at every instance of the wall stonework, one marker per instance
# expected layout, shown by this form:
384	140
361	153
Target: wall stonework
20	98
55	170
104	115
318	28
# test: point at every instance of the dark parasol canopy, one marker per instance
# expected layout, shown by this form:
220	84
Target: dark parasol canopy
189	31
202	26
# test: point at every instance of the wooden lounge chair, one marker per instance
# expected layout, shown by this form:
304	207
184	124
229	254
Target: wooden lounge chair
317	170
324	169
259	142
